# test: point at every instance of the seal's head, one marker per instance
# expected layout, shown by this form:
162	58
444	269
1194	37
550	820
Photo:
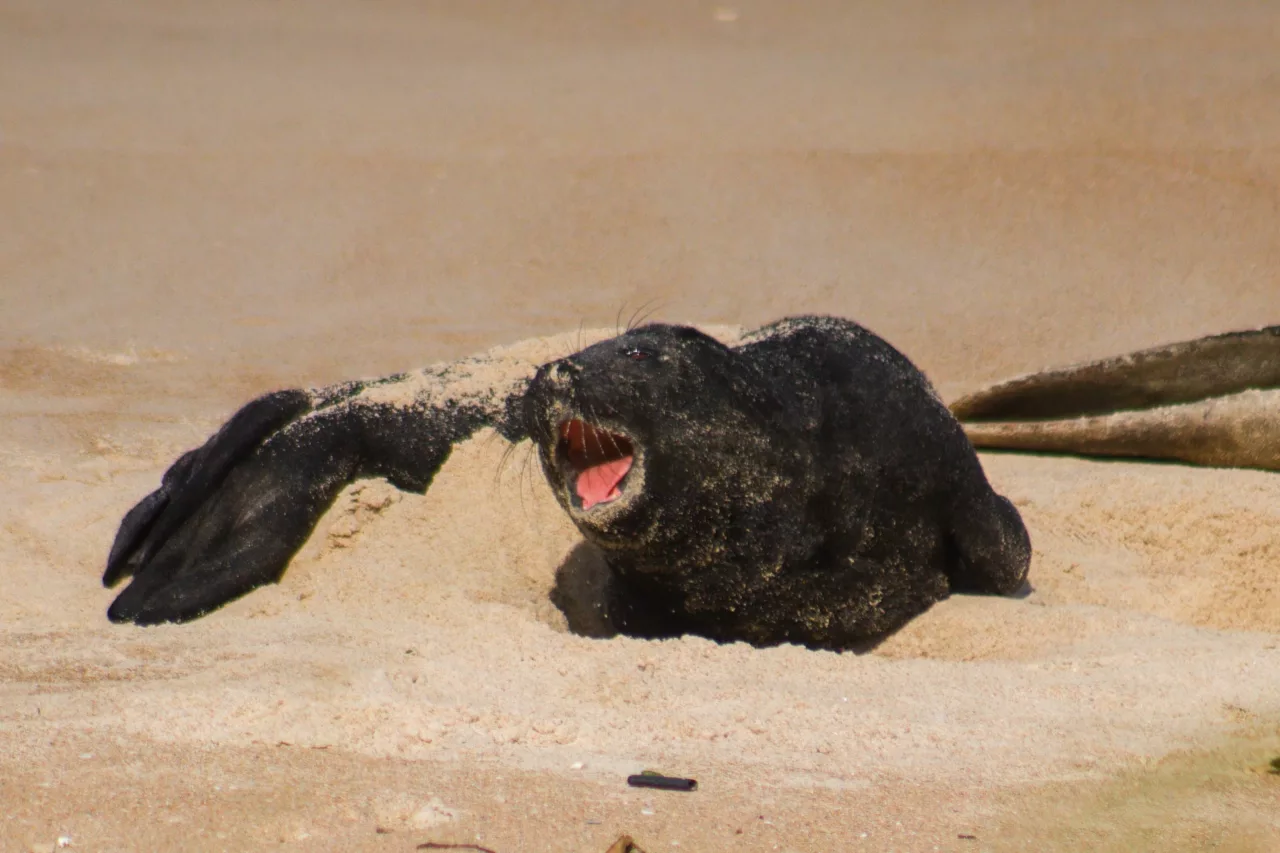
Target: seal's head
621	428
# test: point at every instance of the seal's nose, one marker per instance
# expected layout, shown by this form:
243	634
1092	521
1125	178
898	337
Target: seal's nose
565	369
558	376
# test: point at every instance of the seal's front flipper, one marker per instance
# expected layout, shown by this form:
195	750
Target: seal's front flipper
1210	401
230	515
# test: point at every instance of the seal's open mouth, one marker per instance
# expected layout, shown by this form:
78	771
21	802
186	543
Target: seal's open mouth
600	460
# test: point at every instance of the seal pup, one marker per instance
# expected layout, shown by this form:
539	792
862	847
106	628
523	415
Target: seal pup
1210	401
806	485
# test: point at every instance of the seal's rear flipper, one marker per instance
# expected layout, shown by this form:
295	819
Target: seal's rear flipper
992	545
194	476
230	515
238	531
1210	401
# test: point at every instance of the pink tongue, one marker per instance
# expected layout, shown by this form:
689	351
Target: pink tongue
599	483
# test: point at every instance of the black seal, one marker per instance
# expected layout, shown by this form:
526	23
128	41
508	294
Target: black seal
806	485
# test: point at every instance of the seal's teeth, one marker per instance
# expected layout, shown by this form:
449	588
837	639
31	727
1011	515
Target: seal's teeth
585	446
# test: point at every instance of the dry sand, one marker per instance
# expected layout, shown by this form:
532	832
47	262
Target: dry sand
204	201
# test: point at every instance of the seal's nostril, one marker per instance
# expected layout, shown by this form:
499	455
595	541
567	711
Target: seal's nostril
565	368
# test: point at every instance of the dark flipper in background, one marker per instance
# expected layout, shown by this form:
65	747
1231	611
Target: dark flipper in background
230	515
1209	401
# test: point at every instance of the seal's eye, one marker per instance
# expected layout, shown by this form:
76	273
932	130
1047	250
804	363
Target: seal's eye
637	354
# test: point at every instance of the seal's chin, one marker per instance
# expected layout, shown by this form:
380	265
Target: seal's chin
595	462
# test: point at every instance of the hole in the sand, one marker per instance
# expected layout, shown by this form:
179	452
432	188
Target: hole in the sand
581	592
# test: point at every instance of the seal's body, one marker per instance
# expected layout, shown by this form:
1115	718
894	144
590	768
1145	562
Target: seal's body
806	485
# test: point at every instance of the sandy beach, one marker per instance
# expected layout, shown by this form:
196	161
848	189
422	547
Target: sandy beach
203	202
